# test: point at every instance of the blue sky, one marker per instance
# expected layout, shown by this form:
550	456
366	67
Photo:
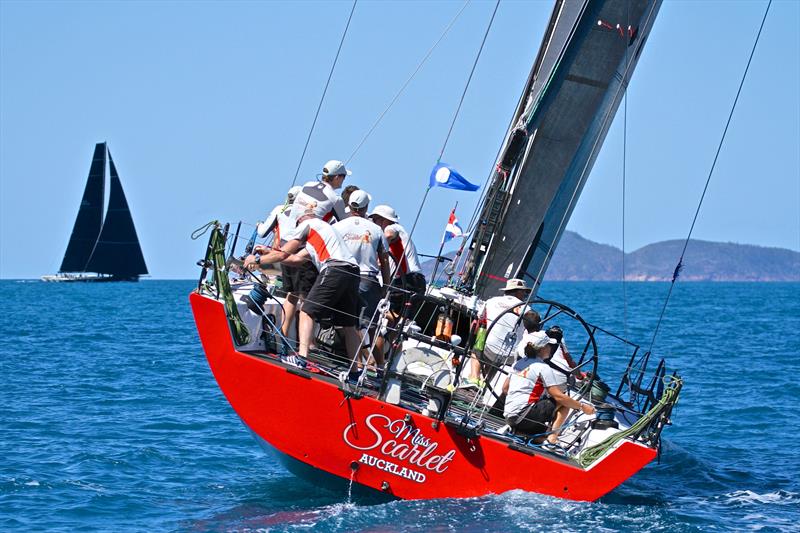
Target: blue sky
206	106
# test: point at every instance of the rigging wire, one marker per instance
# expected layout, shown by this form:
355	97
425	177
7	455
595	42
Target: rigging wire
679	266
324	92
411	77
624	183
469	79
458	109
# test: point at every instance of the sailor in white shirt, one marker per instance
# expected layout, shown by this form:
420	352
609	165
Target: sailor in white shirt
535	391
408	274
507	330
561	358
367	243
407	269
334	295
320	197
279	221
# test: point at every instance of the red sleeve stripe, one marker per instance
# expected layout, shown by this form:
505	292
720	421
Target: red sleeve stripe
399	256
537	391
316	240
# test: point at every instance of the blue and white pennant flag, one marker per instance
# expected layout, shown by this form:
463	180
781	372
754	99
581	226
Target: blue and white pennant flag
443	175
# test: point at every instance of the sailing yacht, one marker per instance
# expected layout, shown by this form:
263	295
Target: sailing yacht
413	430
102	248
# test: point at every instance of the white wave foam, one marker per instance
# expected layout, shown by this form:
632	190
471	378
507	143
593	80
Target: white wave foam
748	497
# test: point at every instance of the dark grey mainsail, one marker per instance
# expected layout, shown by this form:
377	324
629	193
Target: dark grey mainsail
90	216
567	107
117	251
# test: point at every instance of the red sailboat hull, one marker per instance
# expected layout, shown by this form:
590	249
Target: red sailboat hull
383	446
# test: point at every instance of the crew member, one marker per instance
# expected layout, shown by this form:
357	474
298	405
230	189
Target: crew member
535	392
408	274
297	281
407	270
320	197
279	221
367	242
334	294
506	328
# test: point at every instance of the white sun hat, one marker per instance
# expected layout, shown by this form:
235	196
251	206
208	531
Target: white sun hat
385	211
515	284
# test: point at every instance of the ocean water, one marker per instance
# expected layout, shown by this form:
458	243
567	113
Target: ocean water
110	420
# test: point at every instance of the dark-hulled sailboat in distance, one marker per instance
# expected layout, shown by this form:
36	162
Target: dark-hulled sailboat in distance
102	248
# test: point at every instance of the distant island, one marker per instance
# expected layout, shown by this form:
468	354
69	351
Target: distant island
579	259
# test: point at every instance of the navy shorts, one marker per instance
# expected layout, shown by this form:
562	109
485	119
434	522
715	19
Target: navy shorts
334	296
535	418
369	294
299	280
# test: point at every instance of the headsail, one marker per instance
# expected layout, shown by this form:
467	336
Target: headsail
117	251
567	107
90	216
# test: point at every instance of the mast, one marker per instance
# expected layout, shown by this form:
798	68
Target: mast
90	216
569	101
118	251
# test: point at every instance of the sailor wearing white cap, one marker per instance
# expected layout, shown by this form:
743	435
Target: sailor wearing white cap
534	392
408	272
334	294
508	330
297	280
367	243
278	220
320	196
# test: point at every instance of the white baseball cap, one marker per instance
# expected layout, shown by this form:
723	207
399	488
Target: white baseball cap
385	211
335	167
539	339
359	199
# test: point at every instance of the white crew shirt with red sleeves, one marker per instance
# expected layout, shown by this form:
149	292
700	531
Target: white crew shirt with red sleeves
280	222
318	197
323	243
528	382
403	252
365	240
